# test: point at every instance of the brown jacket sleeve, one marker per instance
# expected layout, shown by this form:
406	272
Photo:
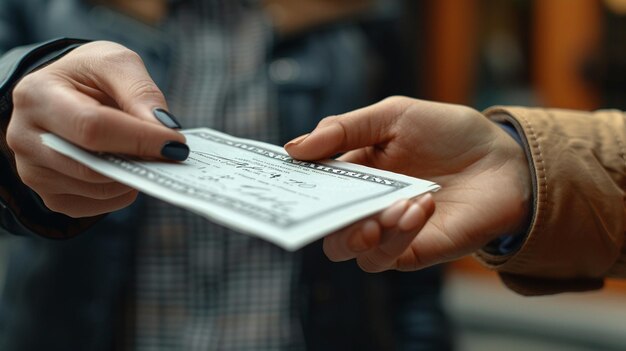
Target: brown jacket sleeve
576	237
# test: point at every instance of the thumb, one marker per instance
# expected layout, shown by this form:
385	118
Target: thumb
360	128
121	74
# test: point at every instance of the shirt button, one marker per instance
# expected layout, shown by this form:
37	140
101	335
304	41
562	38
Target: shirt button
284	70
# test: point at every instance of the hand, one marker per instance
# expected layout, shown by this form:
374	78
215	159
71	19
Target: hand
484	174
100	97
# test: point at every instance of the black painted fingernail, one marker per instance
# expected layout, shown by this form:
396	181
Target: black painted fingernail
166	118
175	151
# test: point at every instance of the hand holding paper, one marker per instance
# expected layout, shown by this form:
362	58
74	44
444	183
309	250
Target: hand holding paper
256	187
90	99
484	176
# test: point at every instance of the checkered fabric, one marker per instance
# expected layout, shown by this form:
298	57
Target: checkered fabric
200	286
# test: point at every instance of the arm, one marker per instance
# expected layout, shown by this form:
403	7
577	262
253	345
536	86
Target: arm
98	96
578	176
21	210
486	187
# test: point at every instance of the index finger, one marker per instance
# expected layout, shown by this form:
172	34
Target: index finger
102	128
364	127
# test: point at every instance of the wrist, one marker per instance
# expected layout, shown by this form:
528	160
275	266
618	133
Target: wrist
511	238
21	210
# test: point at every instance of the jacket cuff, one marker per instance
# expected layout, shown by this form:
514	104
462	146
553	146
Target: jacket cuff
511	242
575	235
22	212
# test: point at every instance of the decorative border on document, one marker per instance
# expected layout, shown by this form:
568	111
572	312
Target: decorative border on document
246	208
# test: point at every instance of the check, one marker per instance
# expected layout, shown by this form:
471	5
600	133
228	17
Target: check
257	188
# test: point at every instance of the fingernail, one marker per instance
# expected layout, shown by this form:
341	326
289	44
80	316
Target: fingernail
370	226
166	118
411	218
425	201
390	216
364	238
175	151
356	242
297	140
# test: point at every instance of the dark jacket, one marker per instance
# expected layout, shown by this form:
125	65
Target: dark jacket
71	294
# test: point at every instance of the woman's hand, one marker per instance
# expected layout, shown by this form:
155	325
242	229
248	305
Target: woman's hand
484	174
99	97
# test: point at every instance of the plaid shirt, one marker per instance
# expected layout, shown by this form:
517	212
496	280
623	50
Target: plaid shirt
194	285
200	286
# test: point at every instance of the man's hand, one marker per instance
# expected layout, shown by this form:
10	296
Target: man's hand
486	186
99	97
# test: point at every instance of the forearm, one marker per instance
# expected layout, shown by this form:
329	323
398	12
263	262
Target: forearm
21	210
577	230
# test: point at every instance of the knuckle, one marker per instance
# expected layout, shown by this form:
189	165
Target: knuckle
101	192
28	175
396	100
87	128
367	264
406	263
417	260
345	135
125	55
55	203
85	173
141	146
115	54
31	179
397	106
15	140
107	191
469	114
23	91
386	254
326	121
144	88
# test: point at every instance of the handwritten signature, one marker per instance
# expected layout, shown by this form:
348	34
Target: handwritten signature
264	195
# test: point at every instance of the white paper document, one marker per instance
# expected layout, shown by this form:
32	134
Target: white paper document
257	188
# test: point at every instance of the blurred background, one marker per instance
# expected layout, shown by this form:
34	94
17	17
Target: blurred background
552	53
